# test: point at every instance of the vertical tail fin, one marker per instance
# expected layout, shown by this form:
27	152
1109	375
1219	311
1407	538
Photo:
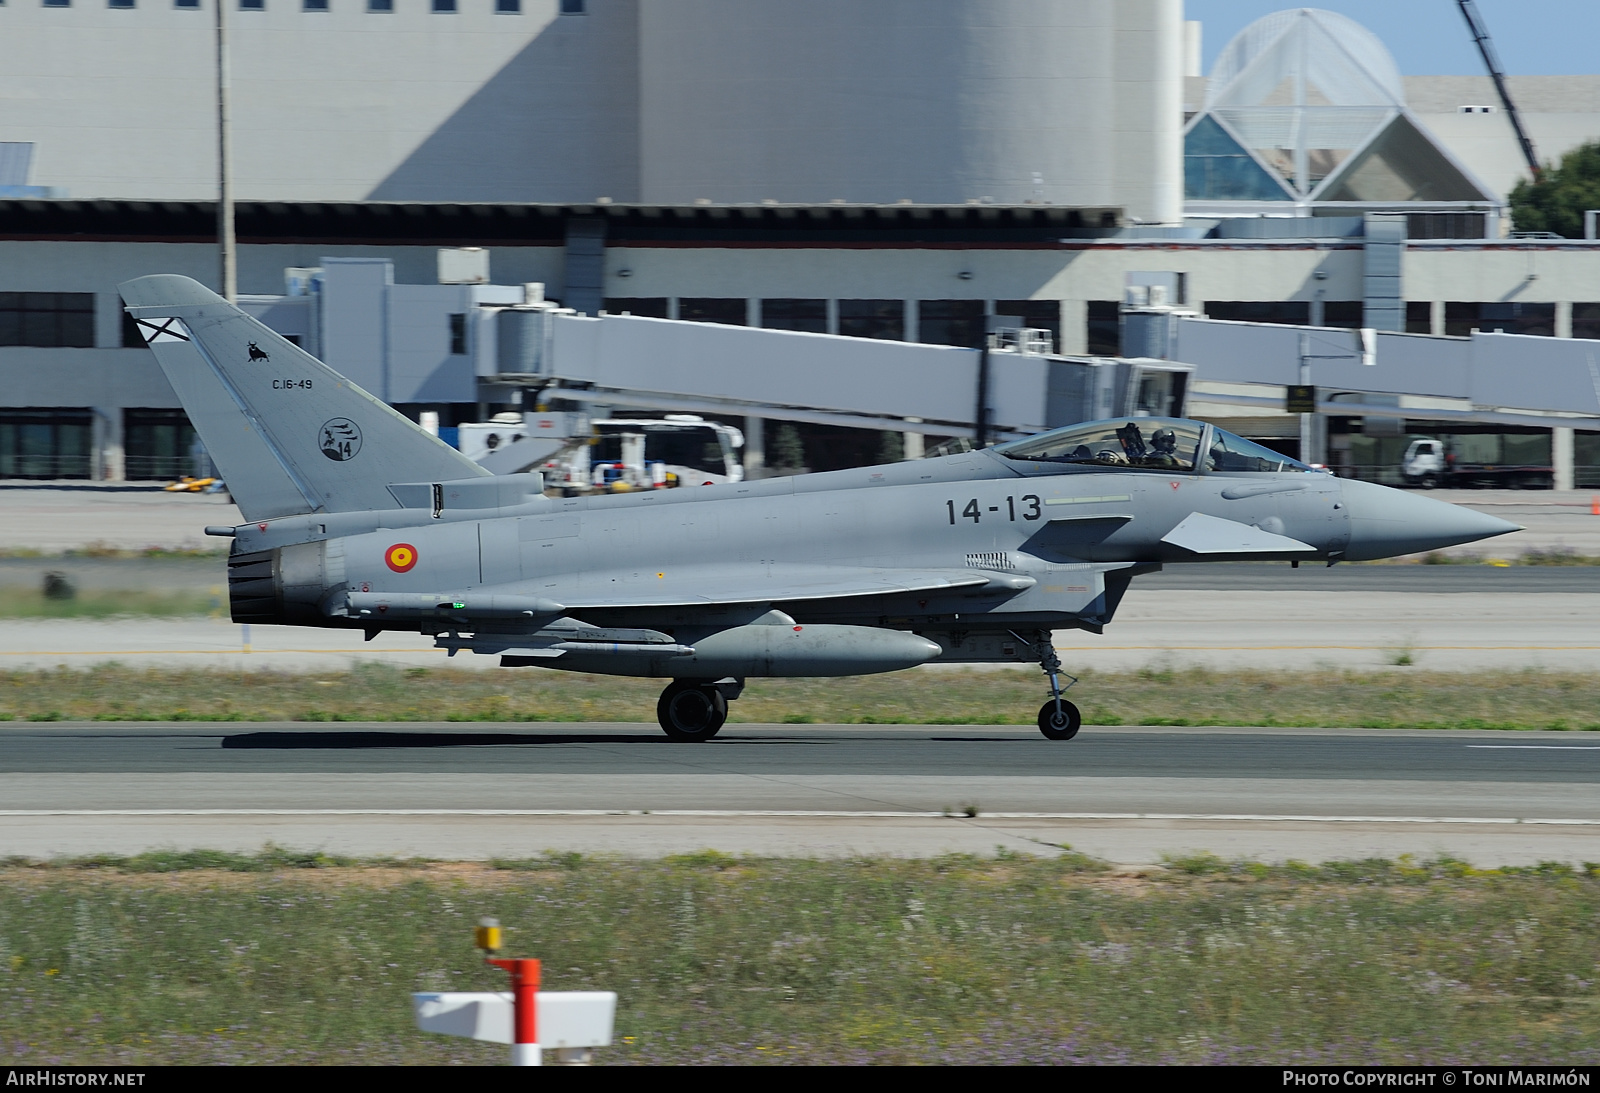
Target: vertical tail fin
289	434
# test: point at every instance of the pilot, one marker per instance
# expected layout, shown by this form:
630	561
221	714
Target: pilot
1163	449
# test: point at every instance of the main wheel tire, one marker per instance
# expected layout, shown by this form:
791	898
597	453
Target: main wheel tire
690	712
1429	481
1059	726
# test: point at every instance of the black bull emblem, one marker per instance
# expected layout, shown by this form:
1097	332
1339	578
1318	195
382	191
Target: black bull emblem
257	353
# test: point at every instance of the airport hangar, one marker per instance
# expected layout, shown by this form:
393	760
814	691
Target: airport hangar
1054	156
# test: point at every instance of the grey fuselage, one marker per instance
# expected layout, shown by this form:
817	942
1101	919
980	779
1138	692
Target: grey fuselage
1057	543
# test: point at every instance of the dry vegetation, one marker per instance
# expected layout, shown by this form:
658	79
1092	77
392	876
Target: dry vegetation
1399	698
208	958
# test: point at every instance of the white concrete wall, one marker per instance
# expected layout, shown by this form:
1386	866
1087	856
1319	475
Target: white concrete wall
928	100
1559	112
337	105
669	100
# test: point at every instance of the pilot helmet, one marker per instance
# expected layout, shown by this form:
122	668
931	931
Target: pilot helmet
1164	440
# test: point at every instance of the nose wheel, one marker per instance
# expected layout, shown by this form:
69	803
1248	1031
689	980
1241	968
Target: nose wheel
1058	718
690	711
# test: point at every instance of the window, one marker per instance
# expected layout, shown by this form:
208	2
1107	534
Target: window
380	5
952	322
1230	453
730	311
252	5
119	3
1103	329
157	444
649	307
1036	315
1419	317
1291	312
809	315
508	7
1463	318
45	442
47	318
1586	320
58	3
314	5
132	337
1345	314
458	335
191	5
881	319
1153	442
1446	225
573	7
444	7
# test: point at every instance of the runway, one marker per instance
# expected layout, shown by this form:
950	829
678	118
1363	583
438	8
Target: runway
1129	795
1156	626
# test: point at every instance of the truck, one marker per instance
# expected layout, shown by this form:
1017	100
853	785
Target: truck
581	455
1472	461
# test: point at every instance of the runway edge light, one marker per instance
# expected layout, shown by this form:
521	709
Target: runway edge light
569	1023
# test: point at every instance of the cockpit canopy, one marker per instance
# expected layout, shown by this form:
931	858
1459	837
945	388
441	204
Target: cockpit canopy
1152	443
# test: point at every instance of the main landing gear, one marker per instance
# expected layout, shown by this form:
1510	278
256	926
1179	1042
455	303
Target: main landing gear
1058	718
695	709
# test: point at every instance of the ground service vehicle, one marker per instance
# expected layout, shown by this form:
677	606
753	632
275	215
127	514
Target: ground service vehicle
358	518
1429	463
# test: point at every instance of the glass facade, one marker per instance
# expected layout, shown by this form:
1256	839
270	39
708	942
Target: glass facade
650	307
808	315
157	444
951	322
883	319
729	310
1036	315
1462	318
1291	312
47	319
45	442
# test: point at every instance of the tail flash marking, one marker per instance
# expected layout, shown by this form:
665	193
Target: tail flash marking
163	330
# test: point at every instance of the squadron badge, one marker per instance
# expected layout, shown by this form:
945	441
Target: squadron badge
340	439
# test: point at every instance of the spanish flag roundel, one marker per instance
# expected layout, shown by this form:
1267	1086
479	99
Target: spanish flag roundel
402	557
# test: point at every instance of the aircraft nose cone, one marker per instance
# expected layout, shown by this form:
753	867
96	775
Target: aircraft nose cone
1386	522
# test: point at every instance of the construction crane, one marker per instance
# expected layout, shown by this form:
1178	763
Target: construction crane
1480	34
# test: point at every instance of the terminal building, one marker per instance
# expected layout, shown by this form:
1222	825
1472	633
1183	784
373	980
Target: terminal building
869	169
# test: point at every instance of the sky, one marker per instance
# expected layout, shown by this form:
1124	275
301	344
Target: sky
1429	37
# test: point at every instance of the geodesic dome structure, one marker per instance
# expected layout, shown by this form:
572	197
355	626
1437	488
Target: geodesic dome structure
1306	106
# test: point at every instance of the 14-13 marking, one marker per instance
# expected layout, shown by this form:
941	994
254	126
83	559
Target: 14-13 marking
973	512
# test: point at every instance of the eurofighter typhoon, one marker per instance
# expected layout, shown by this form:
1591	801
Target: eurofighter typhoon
360	519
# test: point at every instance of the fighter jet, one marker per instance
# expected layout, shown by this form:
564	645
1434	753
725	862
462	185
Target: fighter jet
360	519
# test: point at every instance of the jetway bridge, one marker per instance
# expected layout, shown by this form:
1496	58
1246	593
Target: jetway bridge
1012	388
515	342
1490	377
1018	387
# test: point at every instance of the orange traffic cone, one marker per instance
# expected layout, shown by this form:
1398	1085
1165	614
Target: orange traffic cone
1594	506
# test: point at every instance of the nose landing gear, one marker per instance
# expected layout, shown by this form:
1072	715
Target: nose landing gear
1058	718
692	709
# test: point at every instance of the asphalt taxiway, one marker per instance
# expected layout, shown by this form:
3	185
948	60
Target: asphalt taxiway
1156	626
1125	794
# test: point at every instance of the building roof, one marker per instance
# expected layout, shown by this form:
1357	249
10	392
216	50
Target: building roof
397	223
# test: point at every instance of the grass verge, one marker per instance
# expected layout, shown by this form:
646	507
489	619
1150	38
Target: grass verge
29	603
1386	700
215	958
